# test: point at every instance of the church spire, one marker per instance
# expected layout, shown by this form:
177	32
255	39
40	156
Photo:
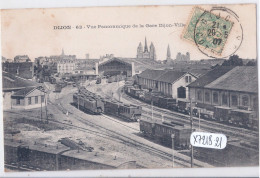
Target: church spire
168	52
145	46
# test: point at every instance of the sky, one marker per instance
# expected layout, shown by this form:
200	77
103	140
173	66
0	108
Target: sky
31	31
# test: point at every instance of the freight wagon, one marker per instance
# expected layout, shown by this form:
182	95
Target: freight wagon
88	104
162	132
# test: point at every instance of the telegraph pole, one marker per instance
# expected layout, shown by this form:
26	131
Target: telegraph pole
41	107
152	109
172	150
78	97
199	119
191	124
46	108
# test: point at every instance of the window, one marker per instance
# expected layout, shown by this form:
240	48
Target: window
215	97
187	79
36	99
224	99
207	97
199	95
245	101
18	102
42	99
234	100
190	79
29	100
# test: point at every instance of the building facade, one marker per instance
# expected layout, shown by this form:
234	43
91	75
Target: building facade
28	98
66	66
232	87
144	53
17	90
168	82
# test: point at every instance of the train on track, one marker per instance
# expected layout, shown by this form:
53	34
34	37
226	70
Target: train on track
241	117
162	132
95	104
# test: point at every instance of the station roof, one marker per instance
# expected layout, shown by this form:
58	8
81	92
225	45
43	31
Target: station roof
114	59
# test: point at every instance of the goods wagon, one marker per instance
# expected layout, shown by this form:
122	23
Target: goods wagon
162	131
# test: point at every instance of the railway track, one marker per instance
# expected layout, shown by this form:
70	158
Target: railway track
204	124
134	143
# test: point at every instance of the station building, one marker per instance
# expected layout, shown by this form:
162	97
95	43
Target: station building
226	86
169	82
20	93
116	66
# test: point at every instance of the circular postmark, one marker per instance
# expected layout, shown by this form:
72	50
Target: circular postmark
218	33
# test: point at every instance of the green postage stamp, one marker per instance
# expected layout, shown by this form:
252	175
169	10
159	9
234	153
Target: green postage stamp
208	31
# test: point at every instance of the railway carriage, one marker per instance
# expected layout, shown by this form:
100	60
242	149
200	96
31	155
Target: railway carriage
88	104
203	113
184	106
242	117
221	113
111	107
162	131
165	102
126	112
130	112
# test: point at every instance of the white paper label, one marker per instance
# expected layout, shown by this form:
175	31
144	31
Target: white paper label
208	140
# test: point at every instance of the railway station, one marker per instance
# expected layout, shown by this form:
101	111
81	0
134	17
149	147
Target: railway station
116	66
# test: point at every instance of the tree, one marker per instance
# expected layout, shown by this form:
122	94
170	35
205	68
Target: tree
251	63
233	61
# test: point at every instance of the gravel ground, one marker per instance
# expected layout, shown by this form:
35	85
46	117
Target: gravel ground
100	141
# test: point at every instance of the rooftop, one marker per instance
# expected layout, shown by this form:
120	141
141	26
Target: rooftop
151	74
38	146
211	76
13	82
170	76
23	92
97	157
240	78
114	59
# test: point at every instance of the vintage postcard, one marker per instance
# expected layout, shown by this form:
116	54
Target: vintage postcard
142	87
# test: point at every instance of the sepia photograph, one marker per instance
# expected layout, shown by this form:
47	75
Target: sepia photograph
130	87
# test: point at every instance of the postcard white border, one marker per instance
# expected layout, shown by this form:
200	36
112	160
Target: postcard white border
180	172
